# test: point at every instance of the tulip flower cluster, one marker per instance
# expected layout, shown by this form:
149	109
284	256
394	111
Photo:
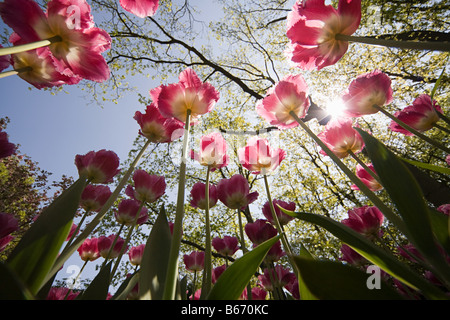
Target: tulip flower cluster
69	51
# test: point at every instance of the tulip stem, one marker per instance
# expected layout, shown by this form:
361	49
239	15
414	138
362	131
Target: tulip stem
362	164
446	130
14	72
370	194
412	130
127	240
417	45
172	266
29	46
206	286
68	251
443	117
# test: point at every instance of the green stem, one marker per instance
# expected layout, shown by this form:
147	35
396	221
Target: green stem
443	117
207	277
127	240
243	248
362	164
15	72
442	128
372	196
68	251
417	45
76	279
113	245
77	229
172	267
412	130
29	46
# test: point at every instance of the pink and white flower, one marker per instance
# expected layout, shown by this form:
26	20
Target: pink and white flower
195	261
147	188
366	91
104	245
258	157
226	246
213	151
135	254
6	148
283	218
198	194
312	27
422	115
88	250
367	178
127	211
365	220
288	95
98	166
94	197
235	192
140	8
77	45
190	93
340	137
156	128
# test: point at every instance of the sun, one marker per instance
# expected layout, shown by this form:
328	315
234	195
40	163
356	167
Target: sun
335	107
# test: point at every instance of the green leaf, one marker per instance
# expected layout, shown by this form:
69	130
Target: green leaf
439	224
98	288
407	196
305	293
233	281
34	255
155	259
12	287
329	280
428	166
385	260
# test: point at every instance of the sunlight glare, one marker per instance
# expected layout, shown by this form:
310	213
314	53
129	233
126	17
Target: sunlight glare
335	107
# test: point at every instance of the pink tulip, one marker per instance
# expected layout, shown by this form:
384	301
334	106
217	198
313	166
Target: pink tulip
194	261
422	115
88	250
365	220
340	137
5	241
367	178
312	27
234	192
283	218
147	188
140	8
351	256
190	93
61	293
79	52
367	90
258	157
8	224
94	197
445	209
260	231
127	211
135	254
98	167
104	246
217	272
73	229
288	95
213	151
198	196
281	276
6	148
226	246
40	69
156	128
258	293
5	61
275	253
